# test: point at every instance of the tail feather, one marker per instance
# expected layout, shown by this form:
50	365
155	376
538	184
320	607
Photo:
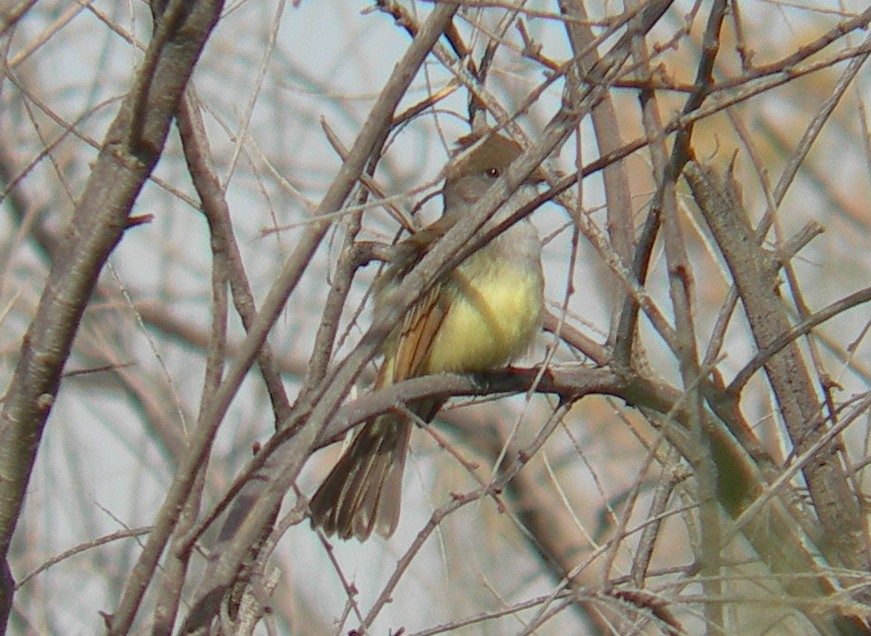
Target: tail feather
362	493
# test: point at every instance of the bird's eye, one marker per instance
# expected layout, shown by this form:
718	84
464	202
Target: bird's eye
493	172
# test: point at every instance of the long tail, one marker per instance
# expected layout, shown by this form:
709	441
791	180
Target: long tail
363	491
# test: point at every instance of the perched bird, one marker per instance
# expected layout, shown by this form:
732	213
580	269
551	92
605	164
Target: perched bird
477	317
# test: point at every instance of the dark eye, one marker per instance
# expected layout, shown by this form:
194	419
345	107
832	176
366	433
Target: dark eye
493	172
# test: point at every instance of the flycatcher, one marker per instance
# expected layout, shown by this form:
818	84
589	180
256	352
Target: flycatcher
478	317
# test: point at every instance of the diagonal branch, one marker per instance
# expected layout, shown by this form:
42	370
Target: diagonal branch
836	506
130	150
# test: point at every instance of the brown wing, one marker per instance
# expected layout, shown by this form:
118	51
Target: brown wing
419	328
423	321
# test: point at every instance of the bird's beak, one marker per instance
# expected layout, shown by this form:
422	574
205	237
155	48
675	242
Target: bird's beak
536	177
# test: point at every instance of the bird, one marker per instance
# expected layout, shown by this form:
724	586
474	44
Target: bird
477	317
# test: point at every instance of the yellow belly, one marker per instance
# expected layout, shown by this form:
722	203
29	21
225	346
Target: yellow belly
493	314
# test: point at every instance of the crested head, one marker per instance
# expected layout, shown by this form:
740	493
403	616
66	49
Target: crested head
495	153
476	165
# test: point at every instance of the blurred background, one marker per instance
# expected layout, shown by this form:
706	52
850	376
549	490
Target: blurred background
562	549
